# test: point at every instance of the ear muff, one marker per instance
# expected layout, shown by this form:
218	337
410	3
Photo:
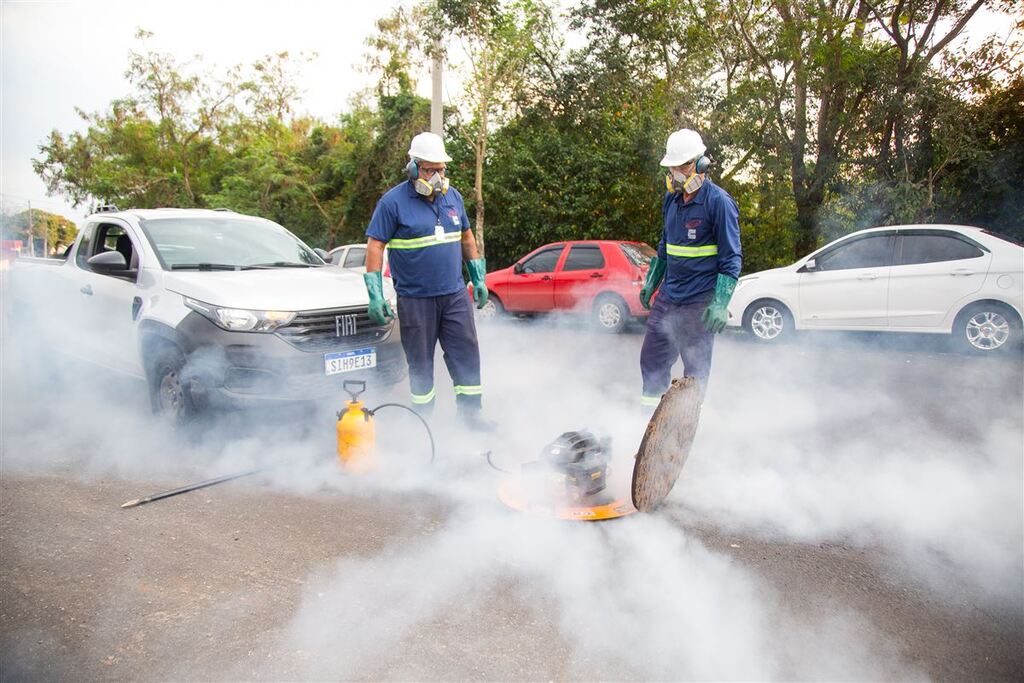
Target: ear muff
412	170
702	165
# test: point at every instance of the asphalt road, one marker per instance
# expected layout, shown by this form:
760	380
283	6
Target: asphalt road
852	510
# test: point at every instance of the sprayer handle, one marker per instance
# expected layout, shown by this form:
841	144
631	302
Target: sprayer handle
354	382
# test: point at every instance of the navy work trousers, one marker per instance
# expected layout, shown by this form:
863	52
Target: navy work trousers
674	331
448	319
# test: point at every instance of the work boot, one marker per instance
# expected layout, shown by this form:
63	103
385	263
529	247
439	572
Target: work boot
474	421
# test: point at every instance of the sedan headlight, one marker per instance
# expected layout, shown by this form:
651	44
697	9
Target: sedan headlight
241	319
744	281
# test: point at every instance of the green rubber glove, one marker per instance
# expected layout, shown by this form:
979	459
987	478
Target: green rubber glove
477	270
379	310
716	314
655	272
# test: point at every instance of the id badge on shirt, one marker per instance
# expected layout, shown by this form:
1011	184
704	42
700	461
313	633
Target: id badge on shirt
439	232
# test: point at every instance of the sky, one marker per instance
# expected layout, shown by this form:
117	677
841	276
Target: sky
56	56
59	55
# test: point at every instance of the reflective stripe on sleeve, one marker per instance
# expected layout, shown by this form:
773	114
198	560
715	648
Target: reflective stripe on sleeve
691	252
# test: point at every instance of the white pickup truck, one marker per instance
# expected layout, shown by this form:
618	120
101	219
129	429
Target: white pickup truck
210	307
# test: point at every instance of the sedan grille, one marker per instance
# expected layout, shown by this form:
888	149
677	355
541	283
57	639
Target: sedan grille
332	328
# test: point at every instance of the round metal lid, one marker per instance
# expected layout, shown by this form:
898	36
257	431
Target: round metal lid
666	444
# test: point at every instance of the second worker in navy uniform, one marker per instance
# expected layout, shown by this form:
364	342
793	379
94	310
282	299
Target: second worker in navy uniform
423	223
699	258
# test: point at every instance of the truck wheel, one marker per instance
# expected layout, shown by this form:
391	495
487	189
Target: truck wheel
171	393
610	313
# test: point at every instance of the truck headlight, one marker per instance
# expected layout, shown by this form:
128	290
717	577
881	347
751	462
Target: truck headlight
241	319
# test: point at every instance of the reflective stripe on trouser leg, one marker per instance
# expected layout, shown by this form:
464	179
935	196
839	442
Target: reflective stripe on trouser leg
458	339
674	331
417	318
421	399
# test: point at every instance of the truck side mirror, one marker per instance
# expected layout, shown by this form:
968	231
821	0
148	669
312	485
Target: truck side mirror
322	253
107	262
518	268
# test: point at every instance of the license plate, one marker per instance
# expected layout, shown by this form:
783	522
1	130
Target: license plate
347	361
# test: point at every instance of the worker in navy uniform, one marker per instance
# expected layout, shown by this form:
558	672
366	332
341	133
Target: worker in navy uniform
423	223
699	259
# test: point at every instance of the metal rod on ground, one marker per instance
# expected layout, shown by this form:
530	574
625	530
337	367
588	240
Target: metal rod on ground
191	487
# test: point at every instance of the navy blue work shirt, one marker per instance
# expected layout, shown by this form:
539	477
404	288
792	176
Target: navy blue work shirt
701	239
425	260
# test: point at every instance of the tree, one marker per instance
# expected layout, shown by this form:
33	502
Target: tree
986	187
498	40
165	144
35	224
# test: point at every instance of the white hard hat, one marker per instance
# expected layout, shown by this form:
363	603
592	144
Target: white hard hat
428	147
682	147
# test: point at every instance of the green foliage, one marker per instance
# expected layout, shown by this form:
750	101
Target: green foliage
552	179
820	122
986	188
26	225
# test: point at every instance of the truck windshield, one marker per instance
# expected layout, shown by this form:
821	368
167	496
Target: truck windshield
228	241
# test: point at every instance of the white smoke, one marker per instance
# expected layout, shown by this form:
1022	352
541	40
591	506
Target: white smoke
795	446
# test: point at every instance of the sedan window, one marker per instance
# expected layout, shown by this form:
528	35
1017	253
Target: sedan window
584	257
543	262
932	248
355	258
870	252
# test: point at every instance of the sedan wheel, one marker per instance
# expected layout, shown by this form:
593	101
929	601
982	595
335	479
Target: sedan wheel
610	314
489	310
768	321
987	330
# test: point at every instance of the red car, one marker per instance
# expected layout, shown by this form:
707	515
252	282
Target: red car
599	278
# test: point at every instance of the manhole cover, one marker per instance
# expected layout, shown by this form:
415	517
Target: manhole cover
666	444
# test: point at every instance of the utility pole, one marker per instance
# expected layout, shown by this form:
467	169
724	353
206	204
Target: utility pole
31	232
436	110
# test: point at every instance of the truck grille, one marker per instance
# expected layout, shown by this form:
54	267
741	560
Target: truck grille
319	330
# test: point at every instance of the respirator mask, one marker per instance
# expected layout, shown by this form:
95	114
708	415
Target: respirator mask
436	184
679	183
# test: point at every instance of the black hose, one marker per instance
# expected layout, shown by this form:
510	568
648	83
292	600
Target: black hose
419	417
491	463
192	487
239	475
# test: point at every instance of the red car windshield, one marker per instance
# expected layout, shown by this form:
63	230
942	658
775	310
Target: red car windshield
638	254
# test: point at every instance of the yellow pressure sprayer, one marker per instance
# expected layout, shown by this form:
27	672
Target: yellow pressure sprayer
356	439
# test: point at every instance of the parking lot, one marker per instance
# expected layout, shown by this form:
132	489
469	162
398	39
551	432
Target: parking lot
851	510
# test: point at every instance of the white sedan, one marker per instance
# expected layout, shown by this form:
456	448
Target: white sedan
349	256
947	279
